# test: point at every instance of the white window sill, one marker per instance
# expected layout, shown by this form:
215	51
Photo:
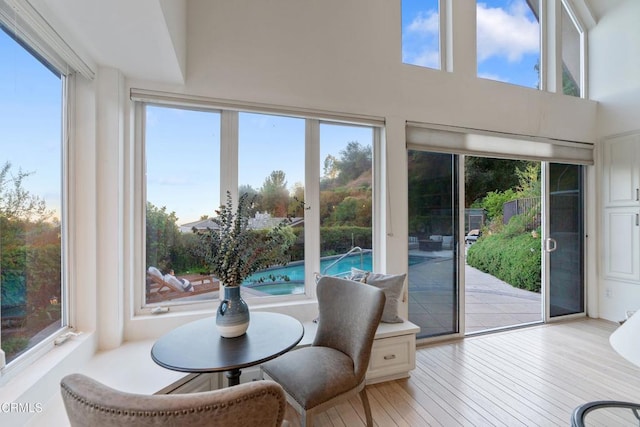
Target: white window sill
152	326
36	384
128	367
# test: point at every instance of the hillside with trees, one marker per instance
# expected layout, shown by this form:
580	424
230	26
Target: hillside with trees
345	211
30	267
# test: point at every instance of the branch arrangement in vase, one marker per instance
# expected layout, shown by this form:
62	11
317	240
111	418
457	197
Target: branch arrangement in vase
234	250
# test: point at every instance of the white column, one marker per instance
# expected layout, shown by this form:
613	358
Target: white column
395	202
110	107
551	47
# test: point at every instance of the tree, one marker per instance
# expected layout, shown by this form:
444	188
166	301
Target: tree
569	85
494	202
16	202
296	203
330	169
252	194
354	160
529	180
30	267
484	175
249	190
274	194
163	237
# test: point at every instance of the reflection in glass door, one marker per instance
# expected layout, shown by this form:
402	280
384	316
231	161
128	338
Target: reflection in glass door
564	244
433	219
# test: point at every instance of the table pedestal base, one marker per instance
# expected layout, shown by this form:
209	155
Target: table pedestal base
233	376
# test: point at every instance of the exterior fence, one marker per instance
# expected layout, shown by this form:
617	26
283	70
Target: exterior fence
529	206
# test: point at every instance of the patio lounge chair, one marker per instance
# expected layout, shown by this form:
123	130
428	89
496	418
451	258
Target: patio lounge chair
163	288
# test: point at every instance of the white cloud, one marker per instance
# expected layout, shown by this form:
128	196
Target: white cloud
426	58
425	23
507	33
420	40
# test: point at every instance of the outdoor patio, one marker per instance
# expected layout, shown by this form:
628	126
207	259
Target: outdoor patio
490	303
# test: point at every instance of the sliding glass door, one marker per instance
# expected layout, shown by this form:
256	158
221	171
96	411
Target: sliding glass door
544	283
564	243
433	250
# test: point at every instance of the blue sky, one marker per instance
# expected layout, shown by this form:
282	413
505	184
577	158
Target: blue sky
183	164
508	39
183	154
30	120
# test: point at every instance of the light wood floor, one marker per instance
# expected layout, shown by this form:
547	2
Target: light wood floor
534	376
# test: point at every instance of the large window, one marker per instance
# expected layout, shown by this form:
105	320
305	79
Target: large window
31	232
508	41
194	157
421	33
183	186
271	168
346	198
571	54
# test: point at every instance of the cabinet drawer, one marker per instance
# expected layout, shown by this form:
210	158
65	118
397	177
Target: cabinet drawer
392	355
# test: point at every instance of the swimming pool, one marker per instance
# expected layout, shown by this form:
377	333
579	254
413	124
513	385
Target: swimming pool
289	280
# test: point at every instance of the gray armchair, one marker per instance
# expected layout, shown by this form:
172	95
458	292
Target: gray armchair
333	369
91	403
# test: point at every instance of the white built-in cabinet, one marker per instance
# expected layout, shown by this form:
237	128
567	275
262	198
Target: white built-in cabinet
621	196
393	354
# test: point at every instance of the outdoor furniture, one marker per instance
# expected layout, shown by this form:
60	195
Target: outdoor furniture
430	245
159	290
91	403
413	243
333	369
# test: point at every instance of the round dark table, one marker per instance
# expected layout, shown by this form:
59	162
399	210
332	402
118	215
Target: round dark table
197	347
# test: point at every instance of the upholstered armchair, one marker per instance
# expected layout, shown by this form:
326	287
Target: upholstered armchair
333	369
91	403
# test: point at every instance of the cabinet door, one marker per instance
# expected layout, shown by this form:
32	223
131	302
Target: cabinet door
622	243
621	176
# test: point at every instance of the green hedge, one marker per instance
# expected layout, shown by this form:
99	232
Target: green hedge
513	259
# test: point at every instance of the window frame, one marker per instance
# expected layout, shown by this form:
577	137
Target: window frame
550	33
229	127
67	95
444	54
580	28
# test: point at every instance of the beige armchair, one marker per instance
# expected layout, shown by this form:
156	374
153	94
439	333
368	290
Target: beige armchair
333	369
91	403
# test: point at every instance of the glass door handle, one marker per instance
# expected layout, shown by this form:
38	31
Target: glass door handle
550	245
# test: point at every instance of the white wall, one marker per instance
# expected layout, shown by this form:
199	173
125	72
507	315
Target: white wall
328	55
614	54
345	57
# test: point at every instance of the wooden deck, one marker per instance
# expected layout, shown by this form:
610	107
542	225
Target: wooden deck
533	376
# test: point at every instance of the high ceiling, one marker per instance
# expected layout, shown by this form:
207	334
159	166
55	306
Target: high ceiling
146	39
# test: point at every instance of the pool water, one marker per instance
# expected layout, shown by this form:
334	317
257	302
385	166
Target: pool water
289	279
